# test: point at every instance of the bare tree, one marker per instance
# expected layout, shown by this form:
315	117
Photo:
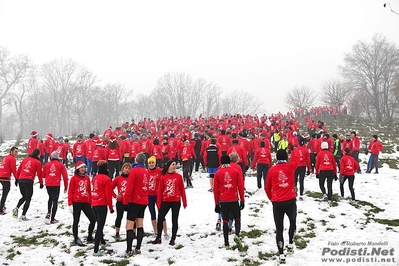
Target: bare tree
302	97
239	102
372	69
334	93
12	71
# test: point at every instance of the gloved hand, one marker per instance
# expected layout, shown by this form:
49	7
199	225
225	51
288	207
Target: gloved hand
111	211
71	209
41	186
335	178
308	173
217	208
242	205
317	176
16	182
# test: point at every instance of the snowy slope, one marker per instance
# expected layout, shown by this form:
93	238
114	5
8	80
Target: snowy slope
199	244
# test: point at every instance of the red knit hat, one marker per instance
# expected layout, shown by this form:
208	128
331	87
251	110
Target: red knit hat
79	164
112	138
33	134
49	135
95	139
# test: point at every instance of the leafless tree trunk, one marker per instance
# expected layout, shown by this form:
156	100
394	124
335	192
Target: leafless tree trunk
302	97
334	93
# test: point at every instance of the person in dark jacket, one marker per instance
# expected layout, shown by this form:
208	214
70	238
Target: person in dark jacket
212	157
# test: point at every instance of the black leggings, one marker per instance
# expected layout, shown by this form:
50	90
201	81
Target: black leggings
165	207
52	204
26	190
329	175
87	210
226	209
261	171
300	172
6	190
278	213
187	169
351	180
114	167
100	213
119	213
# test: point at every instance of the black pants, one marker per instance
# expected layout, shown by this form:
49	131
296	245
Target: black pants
119	213
187	169
261	171
313	161
300	174
114	167
163	211
26	190
100	214
337	161
234	208
278	212
355	155
198	161
6	189
87	210
329	175
52	204
94	169
351	180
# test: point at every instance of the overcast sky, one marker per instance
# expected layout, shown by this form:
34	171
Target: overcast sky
265	47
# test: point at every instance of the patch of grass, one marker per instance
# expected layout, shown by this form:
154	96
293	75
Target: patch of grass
43	237
330	229
170	261
258	243
331	216
309	235
323	222
231	260
251	225
248	262
115	262
313	194
254	233
302	230
180	246
301	242
394	222
267	255
80	253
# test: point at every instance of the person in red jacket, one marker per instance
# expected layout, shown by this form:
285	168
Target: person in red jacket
355	148
374	148
7	167
348	167
326	169
224	142
302	156
79	199
113	157
79	150
186	155
136	199
101	197
125	149
280	190
27	170
170	194
48	147
154	176
156	151
165	148
61	148
228	190
32	142
120	183
52	173
262	160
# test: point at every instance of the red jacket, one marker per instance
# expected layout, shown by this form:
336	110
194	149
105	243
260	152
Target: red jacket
224	142
137	186
165	148
325	161
134	149
348	165
53	171
355	143
153	180
302	156
113	154
79	149
99	153
32	144
187	152
79	189
120	182
29	168
48	145
280	182
171	189
125	148
90	144
375	147
101	194
156	151
8	167
262	156
145	145
241	153
61	149
228	185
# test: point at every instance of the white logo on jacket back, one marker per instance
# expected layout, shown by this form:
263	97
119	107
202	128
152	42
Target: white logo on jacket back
170	187
326	160
227	180
52	170
27	167
283	179
349	164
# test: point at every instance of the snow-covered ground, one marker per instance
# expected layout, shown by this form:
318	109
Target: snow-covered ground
325	228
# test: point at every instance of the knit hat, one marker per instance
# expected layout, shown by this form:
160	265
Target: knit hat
112	138
225	159
324	145
96	139
79	164
281	154
60	138
102	167
49	135
152	159
33	134
55	155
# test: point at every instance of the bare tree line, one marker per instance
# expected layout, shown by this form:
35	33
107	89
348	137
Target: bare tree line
65	98
368	83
